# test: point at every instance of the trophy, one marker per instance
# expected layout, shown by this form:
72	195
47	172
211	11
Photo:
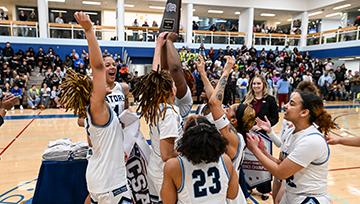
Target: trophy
171	18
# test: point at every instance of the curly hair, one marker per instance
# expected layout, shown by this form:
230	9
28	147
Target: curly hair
318	115
201	141
75	92
152	90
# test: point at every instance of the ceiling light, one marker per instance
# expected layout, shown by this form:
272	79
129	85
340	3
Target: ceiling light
315	13
129	5
357	57
346	59
267	14
289	20
157	7
358	9
341	7
333	14
96	3
91	13
194	10
4	8
215	11
25	9
237	13
58	11
277	23
59	1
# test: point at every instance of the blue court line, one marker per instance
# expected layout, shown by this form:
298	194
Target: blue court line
52	116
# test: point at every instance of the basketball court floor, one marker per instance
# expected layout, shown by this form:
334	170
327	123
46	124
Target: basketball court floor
25	136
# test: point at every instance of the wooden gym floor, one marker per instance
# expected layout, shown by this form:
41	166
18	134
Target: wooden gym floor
25	135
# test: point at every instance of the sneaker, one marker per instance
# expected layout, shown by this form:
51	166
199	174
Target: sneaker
21	107
13	108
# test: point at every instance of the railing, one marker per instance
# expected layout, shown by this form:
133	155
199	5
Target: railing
276	39
146	34
334	36
74	31
219	37
19	28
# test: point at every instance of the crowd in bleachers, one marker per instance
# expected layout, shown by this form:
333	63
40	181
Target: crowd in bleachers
283	70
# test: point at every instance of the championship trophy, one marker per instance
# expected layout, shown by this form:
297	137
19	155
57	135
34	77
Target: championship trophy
171	18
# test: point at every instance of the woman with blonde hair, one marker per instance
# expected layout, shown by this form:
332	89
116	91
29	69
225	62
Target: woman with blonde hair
265	107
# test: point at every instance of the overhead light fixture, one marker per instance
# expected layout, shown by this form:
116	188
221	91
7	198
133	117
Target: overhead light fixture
277	23
91	13
194	10
237	13
267	14
215	11
341	7
59	1
346	59
333	14
315	13
129	5
25	9
289	20
58	11
96	3
4	8
157	7
357	57
358	9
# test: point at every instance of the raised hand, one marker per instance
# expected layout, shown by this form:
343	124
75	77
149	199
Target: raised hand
262	125
84	20
172	36
200	64
252	142
230	61
161	39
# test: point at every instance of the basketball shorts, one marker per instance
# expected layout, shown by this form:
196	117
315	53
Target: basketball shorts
120	195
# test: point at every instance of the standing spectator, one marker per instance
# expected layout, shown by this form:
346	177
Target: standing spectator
213	28
324	83
242	84
16	91
357	21
355	84
198	85
33	97
154	24
23	17
8	52
264	106
58	20
195	26
283	87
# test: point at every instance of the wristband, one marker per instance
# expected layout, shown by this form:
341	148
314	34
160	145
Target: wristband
221	122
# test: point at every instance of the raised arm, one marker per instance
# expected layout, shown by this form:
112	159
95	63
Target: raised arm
217	111
98	108
209	89
157	53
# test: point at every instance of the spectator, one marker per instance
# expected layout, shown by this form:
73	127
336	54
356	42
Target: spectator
135	23
357	21
145	24
22	17
213	28
154	24
195	26
45	93
33	97
16	91
8	52
324	83
242	85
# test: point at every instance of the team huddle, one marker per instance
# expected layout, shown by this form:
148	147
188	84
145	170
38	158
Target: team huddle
197	158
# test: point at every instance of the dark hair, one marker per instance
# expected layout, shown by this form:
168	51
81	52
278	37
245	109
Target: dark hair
308	86
318	115
245	116
201	142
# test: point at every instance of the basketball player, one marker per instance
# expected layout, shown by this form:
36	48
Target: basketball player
202	173
166	128
305	151
226	119
106	172
347	141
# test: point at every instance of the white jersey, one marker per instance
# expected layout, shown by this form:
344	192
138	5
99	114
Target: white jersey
106	167
169	127
203	183
237	161
308	149
116	99
185	103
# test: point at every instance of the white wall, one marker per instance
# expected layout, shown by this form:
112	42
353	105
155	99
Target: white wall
329	24
352	65
141	18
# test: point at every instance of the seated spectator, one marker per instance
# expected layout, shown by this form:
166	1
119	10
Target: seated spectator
33	97
45	92
54	98
16	91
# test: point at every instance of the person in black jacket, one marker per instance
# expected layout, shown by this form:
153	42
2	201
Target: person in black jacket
264	105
